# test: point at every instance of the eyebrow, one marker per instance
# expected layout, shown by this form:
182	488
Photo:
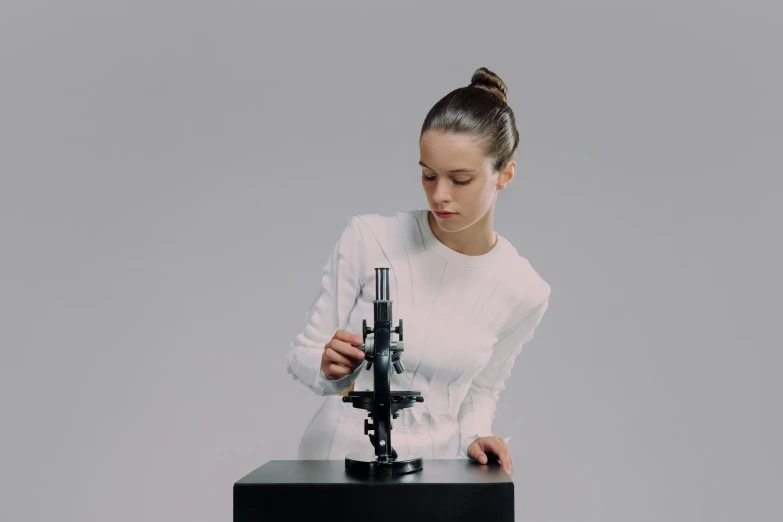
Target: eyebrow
470	171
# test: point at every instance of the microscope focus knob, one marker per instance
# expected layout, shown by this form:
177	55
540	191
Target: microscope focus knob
398	367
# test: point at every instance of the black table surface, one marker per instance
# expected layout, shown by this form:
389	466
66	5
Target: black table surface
457	490
434	471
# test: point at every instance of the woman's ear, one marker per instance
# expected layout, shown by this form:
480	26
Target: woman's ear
507	175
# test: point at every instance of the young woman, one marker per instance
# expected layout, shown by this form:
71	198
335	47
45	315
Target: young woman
468	300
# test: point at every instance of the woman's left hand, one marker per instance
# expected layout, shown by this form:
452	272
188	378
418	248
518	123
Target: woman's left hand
483	447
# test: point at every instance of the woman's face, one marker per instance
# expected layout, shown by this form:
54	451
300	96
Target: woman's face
470	193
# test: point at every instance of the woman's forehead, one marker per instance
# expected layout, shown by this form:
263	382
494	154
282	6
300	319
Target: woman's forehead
451	151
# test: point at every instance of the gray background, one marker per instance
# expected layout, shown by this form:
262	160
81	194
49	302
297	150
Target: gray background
176	173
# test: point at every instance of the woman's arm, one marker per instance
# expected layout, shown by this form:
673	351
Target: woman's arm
478	408
340	287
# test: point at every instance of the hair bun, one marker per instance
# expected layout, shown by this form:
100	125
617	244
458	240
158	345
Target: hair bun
485	79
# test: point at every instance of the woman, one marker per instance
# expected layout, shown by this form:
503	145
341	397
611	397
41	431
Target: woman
468	300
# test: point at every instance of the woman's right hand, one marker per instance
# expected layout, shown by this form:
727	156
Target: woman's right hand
341	357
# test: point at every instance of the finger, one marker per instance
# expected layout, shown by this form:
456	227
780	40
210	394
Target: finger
475	452
505	460
346	349
336	370
349	337
504	454
333	356
479	456
510	456
499	448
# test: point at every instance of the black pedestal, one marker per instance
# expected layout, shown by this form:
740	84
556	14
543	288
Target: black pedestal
446	489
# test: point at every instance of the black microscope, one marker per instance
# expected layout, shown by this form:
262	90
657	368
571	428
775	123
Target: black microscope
382	404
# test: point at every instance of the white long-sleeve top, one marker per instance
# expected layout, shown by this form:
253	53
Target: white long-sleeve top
465	318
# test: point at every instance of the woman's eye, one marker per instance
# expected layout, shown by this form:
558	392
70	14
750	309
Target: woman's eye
457	181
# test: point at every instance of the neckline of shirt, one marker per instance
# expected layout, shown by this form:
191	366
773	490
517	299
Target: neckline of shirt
434	244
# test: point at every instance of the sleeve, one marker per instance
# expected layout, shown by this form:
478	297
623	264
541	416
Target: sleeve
340	287
478	408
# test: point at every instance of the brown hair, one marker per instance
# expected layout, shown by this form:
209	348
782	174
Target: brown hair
480	110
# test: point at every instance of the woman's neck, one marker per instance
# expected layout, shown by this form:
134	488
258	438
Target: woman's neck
476	240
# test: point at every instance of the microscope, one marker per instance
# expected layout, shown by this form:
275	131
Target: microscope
382	404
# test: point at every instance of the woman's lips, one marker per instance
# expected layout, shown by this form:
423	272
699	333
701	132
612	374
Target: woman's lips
445	215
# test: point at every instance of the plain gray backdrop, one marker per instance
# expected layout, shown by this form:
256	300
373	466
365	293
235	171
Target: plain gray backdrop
175	175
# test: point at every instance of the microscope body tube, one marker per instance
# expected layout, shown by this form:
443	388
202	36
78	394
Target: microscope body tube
382	361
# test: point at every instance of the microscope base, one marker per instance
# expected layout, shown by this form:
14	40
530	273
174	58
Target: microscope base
367	464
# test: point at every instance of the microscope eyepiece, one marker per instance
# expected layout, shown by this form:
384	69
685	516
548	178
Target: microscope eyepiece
381	284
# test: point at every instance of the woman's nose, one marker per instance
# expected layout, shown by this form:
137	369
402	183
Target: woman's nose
441	191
